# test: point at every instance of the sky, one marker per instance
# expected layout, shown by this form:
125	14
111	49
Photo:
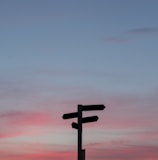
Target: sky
56	54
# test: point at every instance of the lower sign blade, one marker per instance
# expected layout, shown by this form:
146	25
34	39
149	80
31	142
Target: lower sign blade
89	119
74	125
93	107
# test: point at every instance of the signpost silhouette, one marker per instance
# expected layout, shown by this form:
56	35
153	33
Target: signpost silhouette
80	120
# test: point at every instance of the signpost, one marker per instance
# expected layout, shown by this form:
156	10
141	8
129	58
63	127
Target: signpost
80	120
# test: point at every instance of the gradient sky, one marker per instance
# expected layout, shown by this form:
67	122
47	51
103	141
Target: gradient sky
55	54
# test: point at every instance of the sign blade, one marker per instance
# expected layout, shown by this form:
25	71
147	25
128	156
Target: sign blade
93	107
90	119
85	120
74	125
70	115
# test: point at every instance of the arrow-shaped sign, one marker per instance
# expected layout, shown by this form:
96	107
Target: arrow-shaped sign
93	107
85	120
74	125
89	119
70	115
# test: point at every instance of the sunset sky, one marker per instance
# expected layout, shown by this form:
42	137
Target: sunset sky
56	54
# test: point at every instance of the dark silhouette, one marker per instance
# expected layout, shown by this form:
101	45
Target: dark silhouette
80	120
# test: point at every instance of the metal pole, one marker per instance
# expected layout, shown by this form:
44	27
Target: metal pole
79	132
83	154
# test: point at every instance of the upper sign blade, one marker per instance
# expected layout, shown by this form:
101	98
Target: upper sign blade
93	107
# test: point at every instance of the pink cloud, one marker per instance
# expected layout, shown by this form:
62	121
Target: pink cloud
46	155
128	152
32	151
18	118
16	123
97	151
10	134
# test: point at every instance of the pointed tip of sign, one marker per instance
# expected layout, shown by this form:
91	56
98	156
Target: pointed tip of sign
102	106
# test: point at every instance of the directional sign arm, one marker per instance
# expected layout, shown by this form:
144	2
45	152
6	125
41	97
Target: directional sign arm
85	120
74	125
93	107
70	115
89	119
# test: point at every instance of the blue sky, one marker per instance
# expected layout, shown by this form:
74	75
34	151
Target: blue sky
57	54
